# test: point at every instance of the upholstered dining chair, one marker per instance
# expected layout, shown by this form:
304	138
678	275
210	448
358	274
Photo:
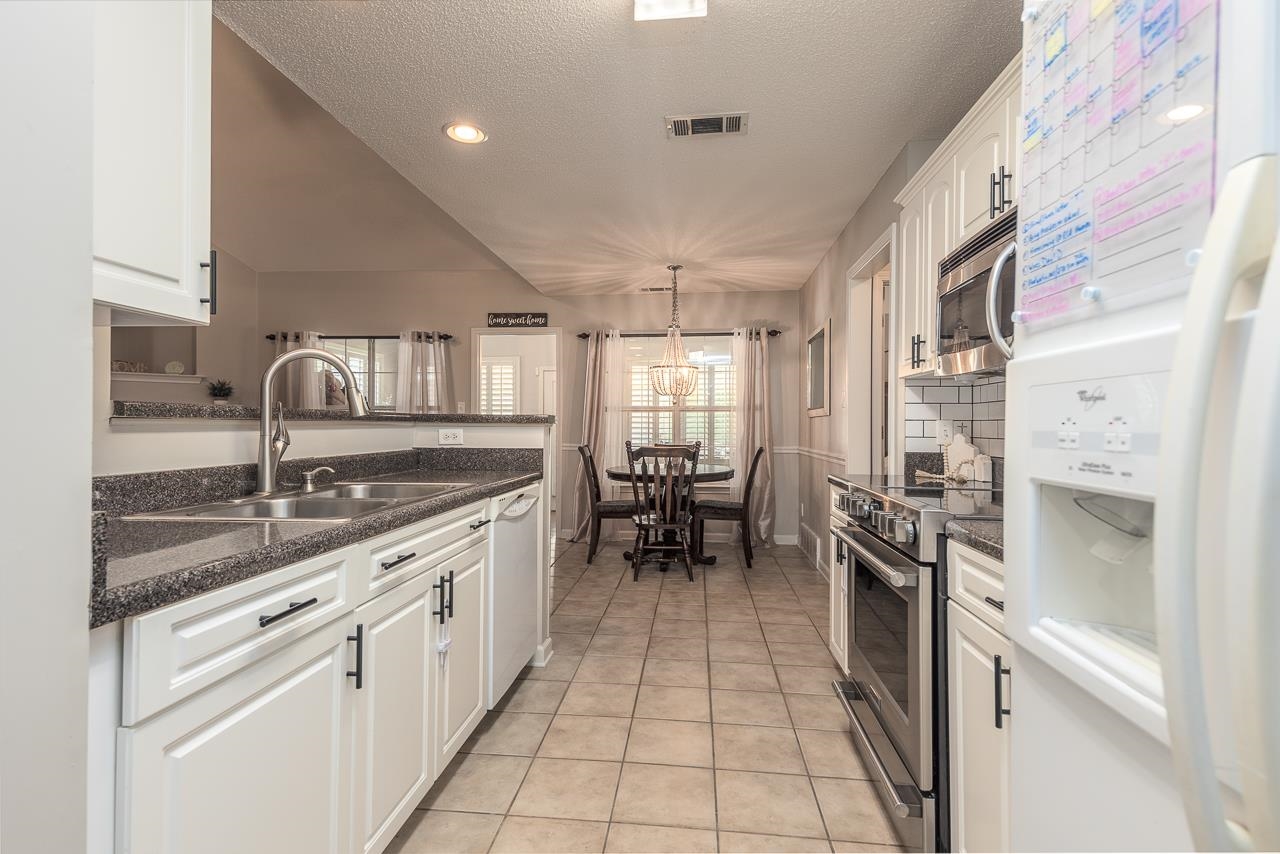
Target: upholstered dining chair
662	486
600	509
734	511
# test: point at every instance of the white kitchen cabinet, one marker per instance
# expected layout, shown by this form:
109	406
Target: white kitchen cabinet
151	162
979	160
910	283
977	658
839	601
259	762
939	239
460	659
394	712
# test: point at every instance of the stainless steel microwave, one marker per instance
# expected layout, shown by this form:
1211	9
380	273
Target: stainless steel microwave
974	313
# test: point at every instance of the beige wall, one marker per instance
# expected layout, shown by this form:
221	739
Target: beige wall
823	440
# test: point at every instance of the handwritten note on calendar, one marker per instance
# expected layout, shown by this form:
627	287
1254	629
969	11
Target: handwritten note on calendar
1117	171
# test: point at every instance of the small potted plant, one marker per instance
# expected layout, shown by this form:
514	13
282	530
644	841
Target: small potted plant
220	390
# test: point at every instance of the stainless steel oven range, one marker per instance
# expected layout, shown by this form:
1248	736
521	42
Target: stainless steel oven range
895	696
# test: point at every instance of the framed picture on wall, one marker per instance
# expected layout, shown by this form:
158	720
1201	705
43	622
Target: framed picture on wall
818	371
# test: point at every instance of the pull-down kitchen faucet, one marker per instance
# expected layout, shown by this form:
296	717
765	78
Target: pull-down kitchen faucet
271	446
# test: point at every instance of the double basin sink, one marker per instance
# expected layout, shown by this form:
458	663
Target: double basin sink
338	503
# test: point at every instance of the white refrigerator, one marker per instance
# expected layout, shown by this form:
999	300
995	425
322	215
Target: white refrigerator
1142	503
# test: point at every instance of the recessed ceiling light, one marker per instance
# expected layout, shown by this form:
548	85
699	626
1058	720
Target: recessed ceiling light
661	10
1184	112
465	132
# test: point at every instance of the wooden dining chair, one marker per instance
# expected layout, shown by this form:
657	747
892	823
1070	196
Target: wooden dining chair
600	509
662	486
734	511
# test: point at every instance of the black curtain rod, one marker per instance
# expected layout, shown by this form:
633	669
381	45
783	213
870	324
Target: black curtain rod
444	336
773	333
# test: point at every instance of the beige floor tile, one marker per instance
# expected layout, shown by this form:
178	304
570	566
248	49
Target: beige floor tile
575	624
584	607
586	737
734	631
782	633
569	643
673	704
810	654
533	695
731	613
746	652
800	679
567	788
757	748
613	669
560	668
508	733
520	835
794	615
690	611
816	711
631	608
688	649
731	676
852	811
758	843
626	645
749	707
852	847
643	838
677	674
624	626
475	782
753	802
666	795
592	698
831	754
670	743
439	832
667	628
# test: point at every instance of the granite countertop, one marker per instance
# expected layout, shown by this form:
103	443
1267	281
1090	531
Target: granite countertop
154	563
985	535
137	409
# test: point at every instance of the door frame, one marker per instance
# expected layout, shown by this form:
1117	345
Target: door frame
859	383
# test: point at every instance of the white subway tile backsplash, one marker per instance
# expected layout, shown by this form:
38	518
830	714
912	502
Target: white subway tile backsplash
964	394
915	394
915	428
957	410
942	394
921	412
930	428
921	445
976	406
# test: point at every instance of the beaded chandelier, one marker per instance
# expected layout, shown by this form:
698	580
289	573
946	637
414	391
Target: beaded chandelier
673	376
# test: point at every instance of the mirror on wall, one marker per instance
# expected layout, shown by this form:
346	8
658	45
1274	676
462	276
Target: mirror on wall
818	362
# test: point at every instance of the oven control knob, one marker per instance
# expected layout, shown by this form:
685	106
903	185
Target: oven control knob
904	531
887	521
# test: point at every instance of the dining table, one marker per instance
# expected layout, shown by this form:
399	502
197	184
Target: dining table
706	473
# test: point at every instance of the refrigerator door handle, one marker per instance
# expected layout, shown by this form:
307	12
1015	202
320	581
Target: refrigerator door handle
1237	244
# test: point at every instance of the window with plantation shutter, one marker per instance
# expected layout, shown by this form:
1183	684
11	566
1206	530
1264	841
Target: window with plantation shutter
500	385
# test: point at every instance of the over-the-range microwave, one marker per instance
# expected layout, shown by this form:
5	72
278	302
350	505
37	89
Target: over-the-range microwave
965	339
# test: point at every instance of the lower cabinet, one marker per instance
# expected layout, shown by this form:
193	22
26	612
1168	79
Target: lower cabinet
838	592
978	693
460	652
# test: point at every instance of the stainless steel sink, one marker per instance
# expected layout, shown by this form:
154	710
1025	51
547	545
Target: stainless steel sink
396	491
309	507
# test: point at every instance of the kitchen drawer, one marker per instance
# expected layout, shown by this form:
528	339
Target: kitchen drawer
175	651
976	581
402	554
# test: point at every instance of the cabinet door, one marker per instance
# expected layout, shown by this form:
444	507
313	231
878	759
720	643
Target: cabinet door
939	239
979	159
1013	140
460	653
393	710
979	750
911	243
259	762
151	160
839	604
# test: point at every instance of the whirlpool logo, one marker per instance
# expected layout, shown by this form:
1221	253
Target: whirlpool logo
1091	398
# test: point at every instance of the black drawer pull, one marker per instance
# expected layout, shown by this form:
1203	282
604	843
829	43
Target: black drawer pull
450	605
392	564
994	603
1000	672
439	585
475	526
358	637
212	266
294	607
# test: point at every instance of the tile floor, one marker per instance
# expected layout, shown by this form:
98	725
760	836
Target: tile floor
674	716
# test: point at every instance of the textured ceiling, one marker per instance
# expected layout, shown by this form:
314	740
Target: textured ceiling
578	188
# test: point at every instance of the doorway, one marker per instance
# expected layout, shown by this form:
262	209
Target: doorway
871	389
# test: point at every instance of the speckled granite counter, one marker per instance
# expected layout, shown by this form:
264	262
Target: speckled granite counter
126	409
153	563
984	535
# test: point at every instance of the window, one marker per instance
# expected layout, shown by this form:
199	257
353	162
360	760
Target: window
373	361
500	385
706	415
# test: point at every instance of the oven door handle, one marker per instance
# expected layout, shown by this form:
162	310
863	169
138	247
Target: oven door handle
888	574
900	808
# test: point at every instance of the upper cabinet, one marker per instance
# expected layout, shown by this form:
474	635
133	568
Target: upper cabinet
967	182
152	259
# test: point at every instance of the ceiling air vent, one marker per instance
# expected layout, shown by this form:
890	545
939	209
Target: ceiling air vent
679	127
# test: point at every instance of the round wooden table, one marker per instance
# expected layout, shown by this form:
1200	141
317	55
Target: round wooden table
708	473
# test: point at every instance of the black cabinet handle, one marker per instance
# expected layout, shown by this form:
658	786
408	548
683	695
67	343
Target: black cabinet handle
1006	196
1000	672
994	603
920	352
475	526
392	564
358	637
212	265
915	351
450	605
439	585
294	607
991	197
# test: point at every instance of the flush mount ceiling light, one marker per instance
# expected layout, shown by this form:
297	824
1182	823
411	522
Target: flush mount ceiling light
662	10
673	375
465	132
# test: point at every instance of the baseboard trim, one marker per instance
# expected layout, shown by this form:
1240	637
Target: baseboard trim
543	653
787	539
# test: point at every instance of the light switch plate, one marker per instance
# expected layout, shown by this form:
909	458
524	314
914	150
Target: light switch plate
451	436
946	430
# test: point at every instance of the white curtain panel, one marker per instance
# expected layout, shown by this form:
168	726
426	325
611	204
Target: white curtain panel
423	379
751	414
302	384
601	418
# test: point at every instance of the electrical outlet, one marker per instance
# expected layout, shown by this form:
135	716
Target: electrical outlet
946	430
452	436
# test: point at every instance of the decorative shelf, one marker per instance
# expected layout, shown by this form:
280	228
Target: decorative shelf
137	377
